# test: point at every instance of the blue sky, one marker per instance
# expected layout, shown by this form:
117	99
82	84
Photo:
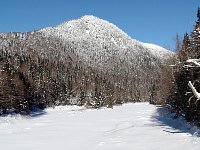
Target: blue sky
153	21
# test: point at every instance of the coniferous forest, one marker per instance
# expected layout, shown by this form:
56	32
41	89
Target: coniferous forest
98	75
181	77
104	68
30	80
35	75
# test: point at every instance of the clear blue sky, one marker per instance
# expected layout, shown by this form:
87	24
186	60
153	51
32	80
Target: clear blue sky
153	21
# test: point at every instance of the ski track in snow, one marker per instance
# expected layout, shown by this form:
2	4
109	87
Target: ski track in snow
138	126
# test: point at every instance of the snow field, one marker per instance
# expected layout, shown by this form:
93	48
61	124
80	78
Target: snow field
130	126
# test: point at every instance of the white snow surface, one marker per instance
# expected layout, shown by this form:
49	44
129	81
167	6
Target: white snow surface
139	126
157	50
194	61
98	40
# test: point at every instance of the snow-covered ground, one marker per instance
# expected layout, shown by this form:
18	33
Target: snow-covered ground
138	126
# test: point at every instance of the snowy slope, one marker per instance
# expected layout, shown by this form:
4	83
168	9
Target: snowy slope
131	126
102	43
157	50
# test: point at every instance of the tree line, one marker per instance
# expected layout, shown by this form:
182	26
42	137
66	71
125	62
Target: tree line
38	72
181	77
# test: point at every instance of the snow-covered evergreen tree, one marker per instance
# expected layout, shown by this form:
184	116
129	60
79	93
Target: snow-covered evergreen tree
195	36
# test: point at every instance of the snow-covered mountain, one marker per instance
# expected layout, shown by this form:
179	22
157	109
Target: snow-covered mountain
102	44
88	59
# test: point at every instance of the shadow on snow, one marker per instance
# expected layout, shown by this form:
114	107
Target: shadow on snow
173	124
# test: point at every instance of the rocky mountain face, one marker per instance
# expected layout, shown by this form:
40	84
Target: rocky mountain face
87	61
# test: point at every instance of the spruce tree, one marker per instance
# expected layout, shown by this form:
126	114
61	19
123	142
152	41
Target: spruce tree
184	54
195	37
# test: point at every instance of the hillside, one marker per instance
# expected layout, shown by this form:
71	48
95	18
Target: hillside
102	44
87	61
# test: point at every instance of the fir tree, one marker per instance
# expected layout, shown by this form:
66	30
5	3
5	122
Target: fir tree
184	54
195	35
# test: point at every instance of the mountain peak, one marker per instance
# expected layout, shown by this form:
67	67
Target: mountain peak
87	26
89	17
89	23
97	39
84	20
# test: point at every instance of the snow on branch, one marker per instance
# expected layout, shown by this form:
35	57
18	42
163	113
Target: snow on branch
194	91
194	61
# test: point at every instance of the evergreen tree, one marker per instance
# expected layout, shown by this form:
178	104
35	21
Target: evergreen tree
185	51
181	98
178	43
195	35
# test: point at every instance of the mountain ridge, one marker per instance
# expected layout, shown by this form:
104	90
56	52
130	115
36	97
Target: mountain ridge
97	37
87	61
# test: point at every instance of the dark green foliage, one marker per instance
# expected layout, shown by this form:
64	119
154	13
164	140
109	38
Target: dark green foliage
185	52
29	82
195	37
38	72
181	98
